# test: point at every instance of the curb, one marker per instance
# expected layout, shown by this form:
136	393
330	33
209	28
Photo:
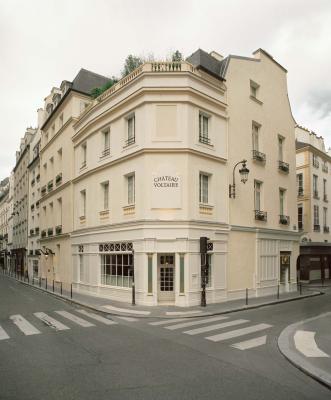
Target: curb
205	314
284	341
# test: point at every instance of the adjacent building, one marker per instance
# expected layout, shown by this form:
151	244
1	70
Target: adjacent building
313	195
4	215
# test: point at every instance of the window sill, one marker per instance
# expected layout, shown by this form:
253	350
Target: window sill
82	168
206	209
256	100
130	209
104	214
129	146
82	219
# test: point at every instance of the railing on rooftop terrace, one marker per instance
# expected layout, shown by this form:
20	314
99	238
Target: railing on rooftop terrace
154	67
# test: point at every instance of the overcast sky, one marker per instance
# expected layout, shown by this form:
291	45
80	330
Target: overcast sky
44	42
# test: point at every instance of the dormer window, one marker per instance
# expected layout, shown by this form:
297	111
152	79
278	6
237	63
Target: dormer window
254	90
49	108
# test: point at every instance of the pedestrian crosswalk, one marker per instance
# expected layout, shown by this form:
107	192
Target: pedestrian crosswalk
28	325
223	326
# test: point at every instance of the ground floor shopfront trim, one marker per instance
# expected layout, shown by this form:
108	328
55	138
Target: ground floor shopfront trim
314	263
167	264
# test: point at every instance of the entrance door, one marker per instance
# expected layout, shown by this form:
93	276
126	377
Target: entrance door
166	279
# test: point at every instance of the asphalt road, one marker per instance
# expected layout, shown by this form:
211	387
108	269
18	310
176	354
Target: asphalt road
137	360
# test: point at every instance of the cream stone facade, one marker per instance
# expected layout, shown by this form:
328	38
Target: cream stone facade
313	195
63	106
4	223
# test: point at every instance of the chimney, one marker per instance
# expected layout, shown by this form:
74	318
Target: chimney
216	55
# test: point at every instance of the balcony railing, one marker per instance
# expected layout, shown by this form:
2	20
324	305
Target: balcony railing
58	229
258	156
43	190
326	229
83	165
300	191
37	204
32	207
325	198
260	215
283	166
316	163
38	178
58	179
43	233
37	252
325	168
130	141
284	219
50	231
50	186
32	182
31	231
105	152
316	194
204	139
31	252
37	231
317	228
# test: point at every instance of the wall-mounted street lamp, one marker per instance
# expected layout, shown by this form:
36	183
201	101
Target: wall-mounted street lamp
47	252
244	171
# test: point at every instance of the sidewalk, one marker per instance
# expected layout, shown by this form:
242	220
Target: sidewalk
111	307
307	345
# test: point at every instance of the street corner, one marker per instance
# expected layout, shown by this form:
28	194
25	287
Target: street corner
307	345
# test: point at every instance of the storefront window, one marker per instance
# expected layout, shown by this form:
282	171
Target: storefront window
116	270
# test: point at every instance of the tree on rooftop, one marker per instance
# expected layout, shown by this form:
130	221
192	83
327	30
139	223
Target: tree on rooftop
99	90
131	63
177	56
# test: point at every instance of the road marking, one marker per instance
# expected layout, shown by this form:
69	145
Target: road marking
183	312
127	310
305	343
238	332
74	318
51	322
195	322
209	328
249	344
167	321
129	319
3	334
24	326
97	317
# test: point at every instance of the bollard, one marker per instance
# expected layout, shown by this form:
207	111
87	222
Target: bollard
61	288
46	282
28	280
246	297
71	291
300	283
40	281
53	285
278	292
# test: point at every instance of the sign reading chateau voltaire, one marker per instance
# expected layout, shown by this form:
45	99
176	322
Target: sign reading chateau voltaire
166	190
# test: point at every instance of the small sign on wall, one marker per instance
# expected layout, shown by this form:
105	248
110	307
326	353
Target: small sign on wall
166	190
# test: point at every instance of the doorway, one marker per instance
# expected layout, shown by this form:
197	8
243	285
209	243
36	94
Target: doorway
166	278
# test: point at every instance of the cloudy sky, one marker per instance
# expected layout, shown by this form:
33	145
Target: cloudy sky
43	42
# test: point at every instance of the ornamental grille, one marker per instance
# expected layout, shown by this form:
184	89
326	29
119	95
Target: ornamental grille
210	246
118	247
81	248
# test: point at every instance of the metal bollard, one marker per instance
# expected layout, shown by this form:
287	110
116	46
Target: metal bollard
300	284
71	291
278	292
46	282
53	285
246	297
61	288
40	281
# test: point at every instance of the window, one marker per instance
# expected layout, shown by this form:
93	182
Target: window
254	89
105	195
82	272
131	137
255	136
83	203
280	148
203	128
131	188
115	269
315	186
84	153
325	216
300	184
300	217
61	120
106	142
315	161
324	189
316	216
282	201
203	188
257	195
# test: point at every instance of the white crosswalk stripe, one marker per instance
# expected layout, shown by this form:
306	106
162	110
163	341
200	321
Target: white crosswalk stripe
97	317
129	319
77	320
209	328
51	322
24	325
195	322
251	343
3	334
167	321
238	332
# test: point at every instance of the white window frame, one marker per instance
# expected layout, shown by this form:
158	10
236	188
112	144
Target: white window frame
130	129
105	195
256	136
258	195
316	215
282	199
115	270
83	203
204	127
280	148
300	206
131	188
325	216
204	184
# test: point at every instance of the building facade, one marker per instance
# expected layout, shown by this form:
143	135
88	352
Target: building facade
63	107
4	215
313	195
21	204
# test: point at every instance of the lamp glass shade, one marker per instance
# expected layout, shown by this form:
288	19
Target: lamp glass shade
244	171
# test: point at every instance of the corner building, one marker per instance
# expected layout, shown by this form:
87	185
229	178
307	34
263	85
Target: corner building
154	157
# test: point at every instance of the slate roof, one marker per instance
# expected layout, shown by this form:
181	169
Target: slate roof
208	63
86	80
